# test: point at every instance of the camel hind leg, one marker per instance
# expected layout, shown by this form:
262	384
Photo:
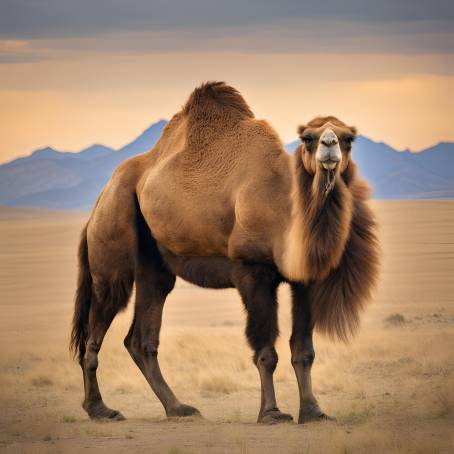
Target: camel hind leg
106	275
107	265
103	288
107	300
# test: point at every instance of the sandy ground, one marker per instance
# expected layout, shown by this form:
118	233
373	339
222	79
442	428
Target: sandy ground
392	388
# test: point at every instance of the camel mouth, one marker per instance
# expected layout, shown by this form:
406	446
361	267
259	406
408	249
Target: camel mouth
329	165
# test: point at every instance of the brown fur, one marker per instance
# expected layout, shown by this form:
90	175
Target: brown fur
220	203
217	98
321	224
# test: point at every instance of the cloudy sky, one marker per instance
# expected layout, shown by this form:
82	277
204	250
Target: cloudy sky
77	71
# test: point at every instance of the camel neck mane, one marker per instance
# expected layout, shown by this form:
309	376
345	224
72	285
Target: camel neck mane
319	225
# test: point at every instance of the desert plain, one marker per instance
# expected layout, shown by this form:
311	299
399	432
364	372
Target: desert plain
391	388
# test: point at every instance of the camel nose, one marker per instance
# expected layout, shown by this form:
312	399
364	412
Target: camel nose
328	138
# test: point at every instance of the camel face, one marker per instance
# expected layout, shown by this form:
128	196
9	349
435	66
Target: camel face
326	145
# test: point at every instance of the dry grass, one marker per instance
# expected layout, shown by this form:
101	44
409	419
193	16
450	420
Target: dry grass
395	320
392	389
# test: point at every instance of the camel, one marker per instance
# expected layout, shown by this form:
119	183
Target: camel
218	202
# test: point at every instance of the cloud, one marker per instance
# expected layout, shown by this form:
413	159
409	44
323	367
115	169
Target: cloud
289	36
64	18
50	29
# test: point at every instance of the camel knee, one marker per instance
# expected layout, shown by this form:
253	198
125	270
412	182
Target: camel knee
139	348
304	357
266	358
150	350
91	356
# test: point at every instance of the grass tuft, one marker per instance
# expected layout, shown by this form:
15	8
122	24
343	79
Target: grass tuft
395	320
218	384
69	419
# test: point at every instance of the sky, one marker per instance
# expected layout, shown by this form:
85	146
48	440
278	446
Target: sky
83	71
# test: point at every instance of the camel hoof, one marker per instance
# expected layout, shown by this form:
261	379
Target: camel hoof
101	412
183	411
274	416
116	416
313	414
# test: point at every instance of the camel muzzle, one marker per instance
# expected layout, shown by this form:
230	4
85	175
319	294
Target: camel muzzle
329	153
329	157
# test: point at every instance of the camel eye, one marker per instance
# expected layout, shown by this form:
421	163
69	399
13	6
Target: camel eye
348	139
308	140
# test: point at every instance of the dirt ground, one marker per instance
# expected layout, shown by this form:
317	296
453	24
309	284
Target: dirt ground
391	389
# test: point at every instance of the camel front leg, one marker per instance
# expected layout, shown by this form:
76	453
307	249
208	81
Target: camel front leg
303	355
257	286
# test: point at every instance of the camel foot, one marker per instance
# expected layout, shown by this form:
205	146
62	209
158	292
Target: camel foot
274	416
100	411
311	413
182	411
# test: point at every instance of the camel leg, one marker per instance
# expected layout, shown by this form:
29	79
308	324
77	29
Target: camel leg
102	312
257	286
303	356
153	284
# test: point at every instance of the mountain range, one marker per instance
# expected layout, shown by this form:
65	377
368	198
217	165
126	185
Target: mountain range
56	179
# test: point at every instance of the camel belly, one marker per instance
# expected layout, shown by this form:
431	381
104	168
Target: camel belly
190	239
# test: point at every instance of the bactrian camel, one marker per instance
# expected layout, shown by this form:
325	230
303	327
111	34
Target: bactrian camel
218	202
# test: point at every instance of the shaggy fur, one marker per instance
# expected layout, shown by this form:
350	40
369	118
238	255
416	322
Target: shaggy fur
338	298
320	227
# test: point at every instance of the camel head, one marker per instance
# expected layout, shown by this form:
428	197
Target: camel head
326	147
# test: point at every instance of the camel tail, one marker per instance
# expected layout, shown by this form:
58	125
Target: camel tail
82	301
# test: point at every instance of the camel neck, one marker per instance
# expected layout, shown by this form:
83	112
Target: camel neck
318	226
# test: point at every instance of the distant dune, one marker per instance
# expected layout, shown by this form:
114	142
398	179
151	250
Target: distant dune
71	181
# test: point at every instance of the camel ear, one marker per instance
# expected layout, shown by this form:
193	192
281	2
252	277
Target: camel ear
353	130
300	130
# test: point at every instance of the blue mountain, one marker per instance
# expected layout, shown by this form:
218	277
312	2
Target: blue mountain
72	180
